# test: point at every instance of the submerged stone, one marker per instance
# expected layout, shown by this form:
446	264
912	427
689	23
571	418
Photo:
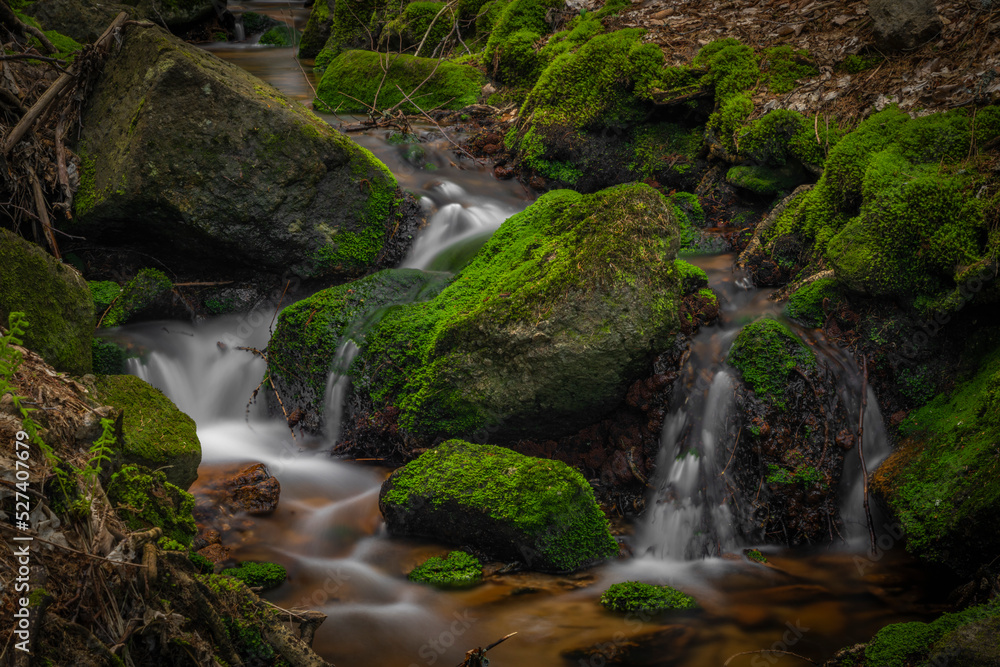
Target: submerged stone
55	299
513	507
202	162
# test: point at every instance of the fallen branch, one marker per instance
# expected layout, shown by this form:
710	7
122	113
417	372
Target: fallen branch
8	17
475	657
43	213
440	129
767	650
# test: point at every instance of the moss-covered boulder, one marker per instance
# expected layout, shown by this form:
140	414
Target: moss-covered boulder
811	303
222	168
55	299
358	75
943	483
335	26
145	499
509	506
86	20
136	299
303	349
456	570
765	353
635	596
157	435
427	22
255	574
543	331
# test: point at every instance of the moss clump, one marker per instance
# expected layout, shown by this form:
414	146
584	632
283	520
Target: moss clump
109	358
352	23
569	267
104	293
254	574
302	350
410	26
904	644
633	596
457	569
516	61
55	299
894	212
733	68
138	294
156	433
145	499
538	511
518	16
805	475
942	484
807	304
857	63
782	136
765	353
764	180
316	32
201	564
755	555
281	35
170	544
665	147
692	277
357	74
784	66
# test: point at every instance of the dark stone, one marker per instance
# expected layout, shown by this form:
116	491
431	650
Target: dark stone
903	24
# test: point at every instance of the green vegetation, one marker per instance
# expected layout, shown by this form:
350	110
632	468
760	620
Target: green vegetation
634	596
537	510
755	555
692	277
254	575
517	16
732	70
805	475
854	64
763	180
807	303
904	644
407	30
55	301
109	358
665	146
942	484
144	499
358	74
781	136
457	569
139	293
785	66
538	266
104	293
352	23
281	35
254	23
156	433
765	353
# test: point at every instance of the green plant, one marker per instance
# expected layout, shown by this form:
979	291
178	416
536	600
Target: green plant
633	596
755	555
101	451
457	569
253	574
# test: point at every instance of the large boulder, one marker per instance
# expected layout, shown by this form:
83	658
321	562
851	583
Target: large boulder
156	433
903	24
510	506
543	331
55	299
198	161
304	347
85	20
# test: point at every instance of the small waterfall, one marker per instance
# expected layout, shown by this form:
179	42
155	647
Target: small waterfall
238	29
337	386
876	448
458	226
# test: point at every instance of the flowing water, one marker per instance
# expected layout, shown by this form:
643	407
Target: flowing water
328	533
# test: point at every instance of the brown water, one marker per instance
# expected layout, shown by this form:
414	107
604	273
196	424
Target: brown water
328	532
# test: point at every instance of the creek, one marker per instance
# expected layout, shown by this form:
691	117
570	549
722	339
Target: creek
328	533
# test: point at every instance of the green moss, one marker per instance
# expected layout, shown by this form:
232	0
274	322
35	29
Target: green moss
410	26
549	505
805	475
807	303
156	433
565	243
353	23
254	23
309	332
55	299
665	146
764	180
634	596
145	499
692	277
458	569
905	644
784	66
856	63
755	555
766	352
109	358
253	574
518	16
201	564
732	70
943	485
170	544
281	35
727	121
516	60
104	293
783	135
357	74
138	294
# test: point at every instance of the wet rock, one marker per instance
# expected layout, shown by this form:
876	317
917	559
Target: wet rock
86	20
512	507
221	168
55	299
252	490
903	24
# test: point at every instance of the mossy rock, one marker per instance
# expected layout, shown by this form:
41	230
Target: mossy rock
510	506
157	434
317	30
765	353
358	74
518	16
254	574
782	136
766	181
456	570
109	358
304	346
692	277
407	30
223	168
348	24
254	23
55	299
905	644
281	35
635	596
942	483
145	499
807	304
136	299
544	330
